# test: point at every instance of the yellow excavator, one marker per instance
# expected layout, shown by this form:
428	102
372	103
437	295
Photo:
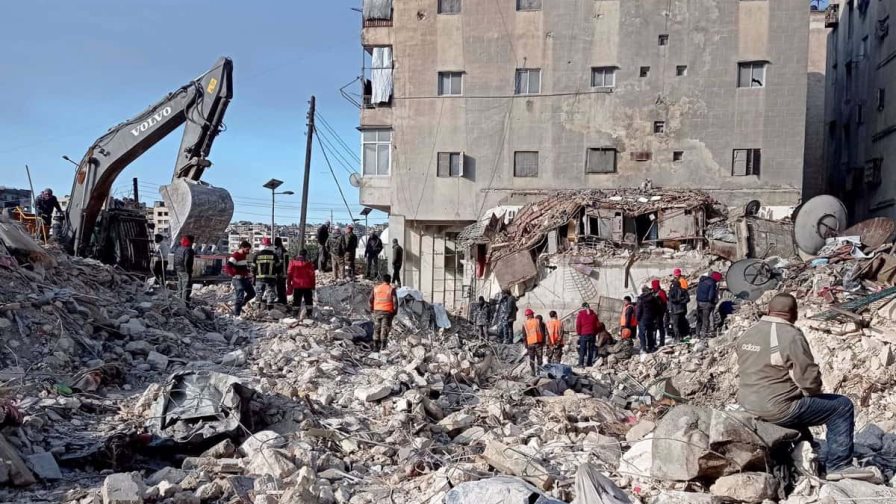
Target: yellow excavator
94	228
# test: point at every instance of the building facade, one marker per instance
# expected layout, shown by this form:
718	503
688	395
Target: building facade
469	104
11	198
860	145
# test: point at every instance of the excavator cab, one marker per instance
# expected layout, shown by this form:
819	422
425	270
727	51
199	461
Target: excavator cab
119	236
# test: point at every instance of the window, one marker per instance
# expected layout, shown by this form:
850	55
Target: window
746	162
451	83
681	70
645	70
528	81
525	164
677	155
451	164
449	6
601	160
751	74
527	5
376	150
881	98
663	40
659	127
603	77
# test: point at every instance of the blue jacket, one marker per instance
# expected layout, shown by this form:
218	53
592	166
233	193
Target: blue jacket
707	290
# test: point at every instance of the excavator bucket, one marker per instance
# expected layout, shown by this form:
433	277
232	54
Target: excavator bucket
197	209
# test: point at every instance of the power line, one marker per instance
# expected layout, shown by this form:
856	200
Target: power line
338	186
343	163
341	141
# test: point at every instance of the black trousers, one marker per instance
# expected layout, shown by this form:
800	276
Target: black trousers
396	275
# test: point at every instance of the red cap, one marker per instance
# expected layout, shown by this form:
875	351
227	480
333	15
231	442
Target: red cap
529	312
716	276
185	242
676	272
655	284
265	241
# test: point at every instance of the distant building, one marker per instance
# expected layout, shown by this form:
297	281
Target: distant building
161	219
11	198
860	146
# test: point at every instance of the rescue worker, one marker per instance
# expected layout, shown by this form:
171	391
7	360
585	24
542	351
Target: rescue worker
300	283
384	304
586	327
555	338
397	261
779	382
323	250
238	268
283	259
45	204
682	281
372	254
647	310
678	309
628	320
707	297
183	267
482	317
266	269
507	311
350	242
337	253
662	319
160	259
533	340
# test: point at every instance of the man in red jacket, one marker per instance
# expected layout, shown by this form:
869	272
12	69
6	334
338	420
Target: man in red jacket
587	323
662	320
300	282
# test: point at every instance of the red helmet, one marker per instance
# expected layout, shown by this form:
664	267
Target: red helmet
265	241
529	312
716	276
676	272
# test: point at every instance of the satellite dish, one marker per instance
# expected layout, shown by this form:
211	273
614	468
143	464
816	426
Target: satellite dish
818	219
749	278
355	180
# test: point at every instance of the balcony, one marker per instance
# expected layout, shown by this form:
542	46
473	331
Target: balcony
377	23
832	16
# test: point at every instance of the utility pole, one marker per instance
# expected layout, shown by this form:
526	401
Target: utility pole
136	193
308	139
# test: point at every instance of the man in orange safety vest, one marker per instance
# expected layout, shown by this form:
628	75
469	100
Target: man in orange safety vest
555	339
384	305
533	339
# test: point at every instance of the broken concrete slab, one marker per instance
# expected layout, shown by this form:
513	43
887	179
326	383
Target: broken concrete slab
169	474
455	423
640	430
14	469
157	361
638	460
751	487
470	436
857	491
677	497
224	449
373	393
44	466
512	460
260	440
123	488
497	490
271	461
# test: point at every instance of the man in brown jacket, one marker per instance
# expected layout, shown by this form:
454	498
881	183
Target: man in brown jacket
780	382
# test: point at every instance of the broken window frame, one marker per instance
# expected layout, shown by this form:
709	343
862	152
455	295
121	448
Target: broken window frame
757	74
380	139
752	162
450	7
450	164
519	81
644	72
663	39
453	79
519	163
603	77
528	5
659	127
681	70
590	162
677	156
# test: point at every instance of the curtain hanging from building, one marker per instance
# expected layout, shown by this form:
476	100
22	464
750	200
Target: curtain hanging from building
377	9
381	74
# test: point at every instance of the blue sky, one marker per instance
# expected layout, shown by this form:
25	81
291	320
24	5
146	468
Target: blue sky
71	70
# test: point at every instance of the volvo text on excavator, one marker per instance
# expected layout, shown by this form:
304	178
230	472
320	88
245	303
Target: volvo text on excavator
92	228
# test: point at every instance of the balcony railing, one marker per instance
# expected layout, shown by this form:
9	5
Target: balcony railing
832	16
377	23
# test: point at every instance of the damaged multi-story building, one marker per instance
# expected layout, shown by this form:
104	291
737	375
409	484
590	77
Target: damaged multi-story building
469	106
861	125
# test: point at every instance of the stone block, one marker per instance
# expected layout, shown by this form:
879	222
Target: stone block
752	487
123	488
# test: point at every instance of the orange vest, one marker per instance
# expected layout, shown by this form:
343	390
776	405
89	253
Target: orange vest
534	335
382	298
683	282
630	322
555	332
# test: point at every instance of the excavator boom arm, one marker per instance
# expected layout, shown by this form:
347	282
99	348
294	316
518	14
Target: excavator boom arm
199	104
